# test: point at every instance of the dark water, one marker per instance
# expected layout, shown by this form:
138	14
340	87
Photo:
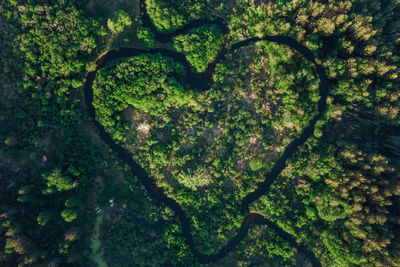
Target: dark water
202	82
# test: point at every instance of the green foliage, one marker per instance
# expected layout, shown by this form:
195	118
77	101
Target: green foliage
69	214
201	46
52	42
43	218
171	15
338	176
147	37
72	202
199	178
196	150
344	254
56	182
119	22
338	193
255	165
146	85
331	208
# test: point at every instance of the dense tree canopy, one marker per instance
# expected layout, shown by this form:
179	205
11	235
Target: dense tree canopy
171	15
120	20
201	46
200	153
338	194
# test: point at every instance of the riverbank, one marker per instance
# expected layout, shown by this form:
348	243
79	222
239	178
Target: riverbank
202	82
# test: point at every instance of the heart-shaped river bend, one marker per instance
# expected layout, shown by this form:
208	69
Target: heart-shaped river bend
176	96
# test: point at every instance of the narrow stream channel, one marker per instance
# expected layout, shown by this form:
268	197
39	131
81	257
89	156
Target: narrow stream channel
203	81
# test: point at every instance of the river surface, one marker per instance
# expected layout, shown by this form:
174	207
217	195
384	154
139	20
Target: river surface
203	81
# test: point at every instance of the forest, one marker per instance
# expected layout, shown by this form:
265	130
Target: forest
200	133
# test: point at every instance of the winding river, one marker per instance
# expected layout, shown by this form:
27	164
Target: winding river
203	81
